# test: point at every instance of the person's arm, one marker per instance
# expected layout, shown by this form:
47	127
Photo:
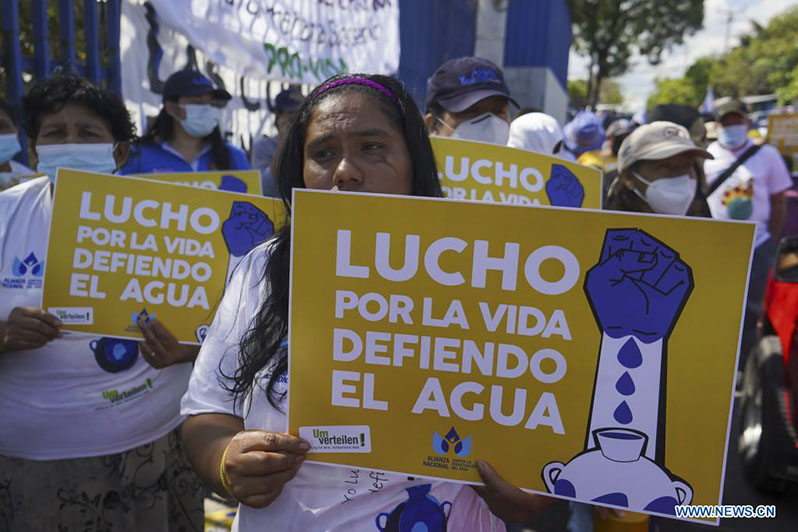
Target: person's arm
160	348
257	464
505	500
28	328
205	437
778	208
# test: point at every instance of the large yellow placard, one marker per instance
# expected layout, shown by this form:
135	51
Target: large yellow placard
488	172
568	348
124	248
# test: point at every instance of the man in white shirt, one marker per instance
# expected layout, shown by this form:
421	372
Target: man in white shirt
754	191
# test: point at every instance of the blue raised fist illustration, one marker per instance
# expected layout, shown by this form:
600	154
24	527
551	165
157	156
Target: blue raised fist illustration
639	286
232	184
246	227
563	188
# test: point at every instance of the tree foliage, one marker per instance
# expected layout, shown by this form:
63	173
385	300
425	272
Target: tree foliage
610	92
764	62
608	32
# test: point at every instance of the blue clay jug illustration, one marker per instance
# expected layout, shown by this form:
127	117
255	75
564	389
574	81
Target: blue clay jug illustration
617	473
115	354
420	513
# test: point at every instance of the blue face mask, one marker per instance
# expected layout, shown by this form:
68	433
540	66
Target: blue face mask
732	137
9	147
201	119
97	158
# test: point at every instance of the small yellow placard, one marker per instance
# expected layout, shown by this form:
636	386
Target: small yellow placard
488	172
121	249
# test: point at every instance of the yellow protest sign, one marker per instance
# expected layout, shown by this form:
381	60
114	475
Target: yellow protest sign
241	181
489	172
783	133
124	248
568	348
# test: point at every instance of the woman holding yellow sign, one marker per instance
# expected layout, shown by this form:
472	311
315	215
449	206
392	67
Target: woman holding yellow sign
356	133
89	432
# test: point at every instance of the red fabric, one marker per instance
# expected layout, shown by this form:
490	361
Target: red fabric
781	307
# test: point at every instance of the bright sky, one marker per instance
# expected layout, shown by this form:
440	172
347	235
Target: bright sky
638	83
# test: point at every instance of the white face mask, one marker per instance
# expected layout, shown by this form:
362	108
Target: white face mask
9	147
486	127
97	158
672	195
731	137
201	119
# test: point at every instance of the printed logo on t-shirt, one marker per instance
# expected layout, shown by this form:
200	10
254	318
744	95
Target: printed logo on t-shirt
116	397
421	511
26	273
739	200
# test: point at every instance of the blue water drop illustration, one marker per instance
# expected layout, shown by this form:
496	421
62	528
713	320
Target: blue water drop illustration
625	384
629	355
623	414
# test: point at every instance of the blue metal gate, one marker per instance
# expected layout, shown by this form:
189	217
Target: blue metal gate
30	22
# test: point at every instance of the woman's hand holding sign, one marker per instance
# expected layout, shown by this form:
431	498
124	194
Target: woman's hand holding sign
160	348
258	463
28	328
505	500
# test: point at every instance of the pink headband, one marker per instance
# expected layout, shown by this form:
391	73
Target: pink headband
357	81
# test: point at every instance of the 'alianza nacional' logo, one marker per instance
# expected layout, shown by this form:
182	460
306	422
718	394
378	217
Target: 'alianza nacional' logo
142	315
442	444
28	265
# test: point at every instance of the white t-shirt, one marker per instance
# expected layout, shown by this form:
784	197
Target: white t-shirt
319	498
745	195
17	171
57	401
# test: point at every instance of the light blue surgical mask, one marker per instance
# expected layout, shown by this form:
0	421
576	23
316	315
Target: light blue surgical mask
9	147
732	137
201	119
98	158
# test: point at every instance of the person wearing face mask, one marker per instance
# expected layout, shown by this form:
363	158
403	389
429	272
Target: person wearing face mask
86	423
748	182
656	169
286	104
186	136
10	170
468	99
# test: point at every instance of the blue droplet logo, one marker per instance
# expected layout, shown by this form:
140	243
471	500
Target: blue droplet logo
623	414
629	355
625	385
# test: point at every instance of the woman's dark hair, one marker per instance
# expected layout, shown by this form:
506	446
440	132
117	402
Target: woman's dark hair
50	95
263	344
163	128
11	110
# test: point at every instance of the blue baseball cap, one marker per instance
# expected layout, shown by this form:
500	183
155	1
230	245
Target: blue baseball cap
191	83
584	133
460	83
288	100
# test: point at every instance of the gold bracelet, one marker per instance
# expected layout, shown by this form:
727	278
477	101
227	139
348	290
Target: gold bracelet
222	476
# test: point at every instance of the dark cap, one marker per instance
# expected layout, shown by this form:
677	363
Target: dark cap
732	106
288	101
460	83
191	83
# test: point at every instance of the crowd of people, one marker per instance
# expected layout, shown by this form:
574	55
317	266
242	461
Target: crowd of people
214	417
